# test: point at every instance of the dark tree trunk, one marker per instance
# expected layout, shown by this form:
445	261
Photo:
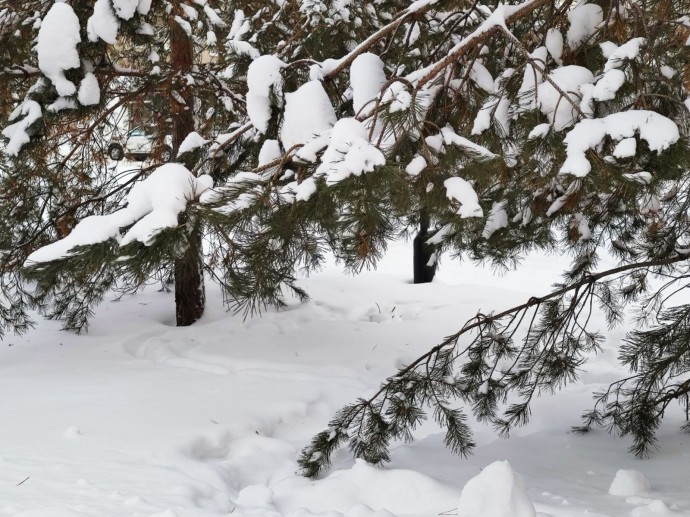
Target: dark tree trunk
190	295
423	252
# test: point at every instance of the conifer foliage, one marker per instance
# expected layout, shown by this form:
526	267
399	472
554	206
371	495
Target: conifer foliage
314	126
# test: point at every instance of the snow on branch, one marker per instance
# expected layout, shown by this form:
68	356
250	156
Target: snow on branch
57	43
153	205
658	131
499	18
18	132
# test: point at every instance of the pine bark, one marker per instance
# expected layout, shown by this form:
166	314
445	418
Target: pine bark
423	252
190	295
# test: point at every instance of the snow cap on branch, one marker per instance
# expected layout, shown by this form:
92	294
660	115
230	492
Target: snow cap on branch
658	131
57	46
153	205
367	76
308	113
263	80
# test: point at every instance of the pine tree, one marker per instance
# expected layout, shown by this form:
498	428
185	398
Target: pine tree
495	129
96	67
145	62
587	106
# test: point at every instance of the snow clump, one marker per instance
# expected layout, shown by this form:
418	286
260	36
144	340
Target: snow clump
460	190
584	20
658	131
367	76
17	132
629	482
308	113
263	79
89	91
192	141
496	492
349	152
57	46
152	206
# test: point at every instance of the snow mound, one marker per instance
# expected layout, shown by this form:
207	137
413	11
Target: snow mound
562	112
89	91
629	482
584	20
656	508
102	23
496	492
47	512
379	492
17	132
72	432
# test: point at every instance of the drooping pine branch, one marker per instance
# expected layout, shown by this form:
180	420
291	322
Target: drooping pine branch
480	374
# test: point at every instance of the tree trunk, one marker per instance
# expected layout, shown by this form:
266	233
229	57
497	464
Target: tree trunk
190	295
423	252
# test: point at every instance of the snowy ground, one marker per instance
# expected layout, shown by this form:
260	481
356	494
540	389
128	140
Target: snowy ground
139	418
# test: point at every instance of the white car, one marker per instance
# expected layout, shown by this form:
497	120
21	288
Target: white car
140	145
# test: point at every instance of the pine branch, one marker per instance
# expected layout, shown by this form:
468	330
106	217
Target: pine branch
549	368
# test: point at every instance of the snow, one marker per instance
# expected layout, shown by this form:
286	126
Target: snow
367	76
103	23
17	132
186	26
629	482
263	79
349	152
89	91
532	77
416	166
625	148
308	113
642	177
206	421
56	46
628	51
584	20
482	77
191	142
270	151
498	218
658	131
143	7
554	44
461	191
303	191
667	71
125	9
656	508
561	112
62	103
189	12
539	131
606	88
152	205
213	16
448	136
607	48
496	491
